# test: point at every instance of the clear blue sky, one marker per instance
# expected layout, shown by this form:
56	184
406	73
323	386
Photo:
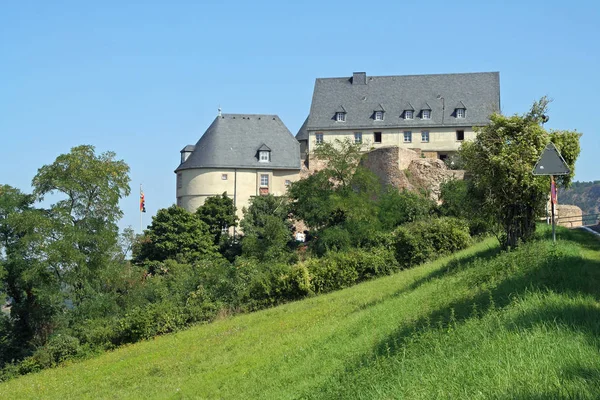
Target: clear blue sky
145	78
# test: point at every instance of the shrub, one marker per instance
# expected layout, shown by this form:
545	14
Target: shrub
428	239
335	238
338	270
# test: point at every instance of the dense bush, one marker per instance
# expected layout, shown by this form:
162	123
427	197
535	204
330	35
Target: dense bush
399	207
342	269
425	240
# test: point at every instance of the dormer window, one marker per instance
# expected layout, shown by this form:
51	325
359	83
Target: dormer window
264	156
409	110
426	114
460	113
460	110
378	115
340	114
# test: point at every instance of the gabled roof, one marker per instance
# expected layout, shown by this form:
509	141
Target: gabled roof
480	90
264	147
302	132
425	106
460	104
232	140
188	148
379	107
340	109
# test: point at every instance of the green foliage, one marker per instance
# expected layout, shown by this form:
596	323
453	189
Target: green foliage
338	270
336	238
458	201
312	200
84	226
399	207
267	228
341	157
500	162
175	234
219	213
426	240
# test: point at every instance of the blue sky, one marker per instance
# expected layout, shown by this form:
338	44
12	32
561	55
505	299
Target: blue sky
145	78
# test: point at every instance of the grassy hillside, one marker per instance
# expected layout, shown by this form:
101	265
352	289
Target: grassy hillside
478	325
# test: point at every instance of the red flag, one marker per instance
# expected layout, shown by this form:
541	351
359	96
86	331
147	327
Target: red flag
142	201
553	192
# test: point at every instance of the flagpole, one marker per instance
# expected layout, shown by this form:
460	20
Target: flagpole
141	214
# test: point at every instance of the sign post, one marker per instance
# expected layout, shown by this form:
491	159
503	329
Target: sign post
551	163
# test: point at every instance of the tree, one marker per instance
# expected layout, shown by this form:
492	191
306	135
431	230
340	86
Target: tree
219	213
343	190
501	160
84	230
26	279
267	228
175	233
341	158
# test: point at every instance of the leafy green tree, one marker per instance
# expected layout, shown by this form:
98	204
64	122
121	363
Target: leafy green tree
219	213
312	200
341	158
30	283
175	233
84	231
266	227
399	207
500	162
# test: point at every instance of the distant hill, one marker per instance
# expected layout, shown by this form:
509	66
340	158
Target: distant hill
585	195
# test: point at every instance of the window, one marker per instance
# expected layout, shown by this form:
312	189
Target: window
460	136
407	136
264	180
425	136
408	114
318	138
340	117
264	156
377	137
179	181
378	115
224	177
179	202
357	137
426	114
288	182
460	113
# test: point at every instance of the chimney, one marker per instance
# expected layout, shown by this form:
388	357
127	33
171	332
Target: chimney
359	78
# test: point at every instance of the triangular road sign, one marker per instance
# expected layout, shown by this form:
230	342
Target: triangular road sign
551	162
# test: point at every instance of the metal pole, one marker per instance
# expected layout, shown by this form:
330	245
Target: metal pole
140	207
553	208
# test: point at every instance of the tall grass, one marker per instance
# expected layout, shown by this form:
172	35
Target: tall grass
479	324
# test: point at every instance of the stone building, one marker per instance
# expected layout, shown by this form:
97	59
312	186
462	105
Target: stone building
432	114
241	154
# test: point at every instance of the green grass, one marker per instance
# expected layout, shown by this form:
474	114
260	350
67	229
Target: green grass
478	325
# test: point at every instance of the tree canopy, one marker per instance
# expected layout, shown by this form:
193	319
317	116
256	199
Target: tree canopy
501	160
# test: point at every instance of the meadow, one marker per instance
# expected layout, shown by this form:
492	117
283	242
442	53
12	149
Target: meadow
480	324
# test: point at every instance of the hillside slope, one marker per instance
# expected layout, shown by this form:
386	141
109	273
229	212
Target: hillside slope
585	195
480	324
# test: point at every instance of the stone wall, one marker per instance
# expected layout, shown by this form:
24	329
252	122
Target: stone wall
385	164
569	216
405	169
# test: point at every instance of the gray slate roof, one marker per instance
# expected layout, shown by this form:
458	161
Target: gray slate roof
303	132
233	141
479	92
